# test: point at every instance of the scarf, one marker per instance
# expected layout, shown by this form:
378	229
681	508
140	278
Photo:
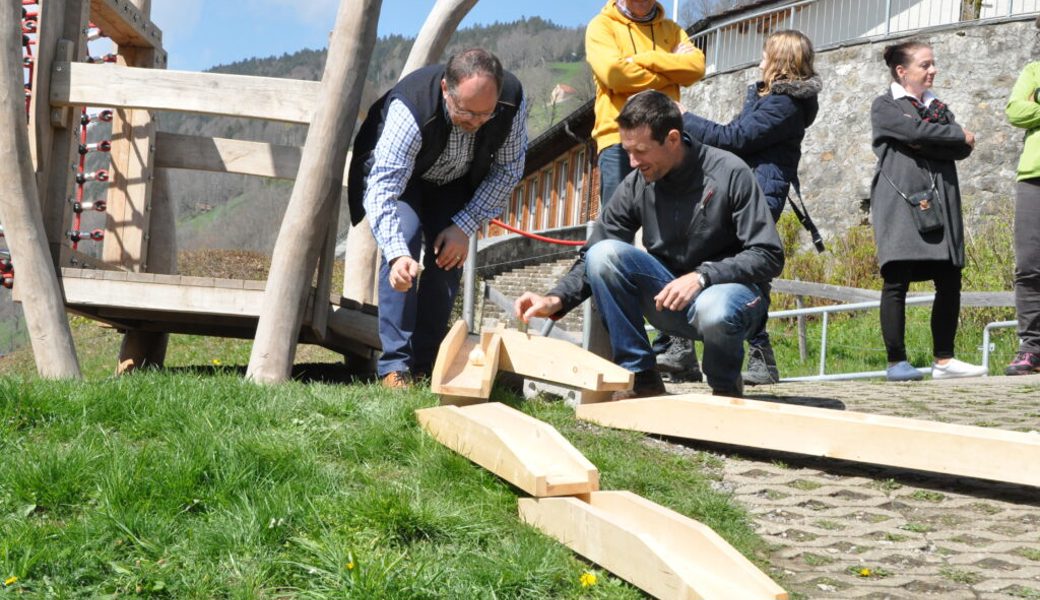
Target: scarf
623	9
936	112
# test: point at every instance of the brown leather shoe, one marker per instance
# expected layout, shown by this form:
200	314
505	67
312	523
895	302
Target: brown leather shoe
396	380
647	383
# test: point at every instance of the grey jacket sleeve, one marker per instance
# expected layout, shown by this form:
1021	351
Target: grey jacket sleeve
892	123
619	221
761	258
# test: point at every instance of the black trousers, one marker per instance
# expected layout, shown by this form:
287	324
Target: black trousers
945	310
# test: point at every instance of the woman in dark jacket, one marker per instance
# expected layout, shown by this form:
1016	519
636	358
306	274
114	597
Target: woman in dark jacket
767	135
915	207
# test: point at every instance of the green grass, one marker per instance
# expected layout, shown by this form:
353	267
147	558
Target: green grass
184	485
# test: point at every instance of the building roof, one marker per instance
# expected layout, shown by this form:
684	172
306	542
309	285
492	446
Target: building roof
573	129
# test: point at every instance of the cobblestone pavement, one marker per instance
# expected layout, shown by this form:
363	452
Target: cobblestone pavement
848	530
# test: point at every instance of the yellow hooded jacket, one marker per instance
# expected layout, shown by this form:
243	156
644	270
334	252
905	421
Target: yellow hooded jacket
628	57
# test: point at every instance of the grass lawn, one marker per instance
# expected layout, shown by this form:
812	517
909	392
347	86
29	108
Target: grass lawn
185	484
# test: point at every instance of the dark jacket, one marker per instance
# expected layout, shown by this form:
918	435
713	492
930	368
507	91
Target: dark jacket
767	134
707	214
911	152
420	91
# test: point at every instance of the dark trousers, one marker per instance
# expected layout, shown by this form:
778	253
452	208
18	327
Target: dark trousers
1027	264
945	309
413	324
614	165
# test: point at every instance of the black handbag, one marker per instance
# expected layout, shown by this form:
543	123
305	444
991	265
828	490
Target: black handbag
925	207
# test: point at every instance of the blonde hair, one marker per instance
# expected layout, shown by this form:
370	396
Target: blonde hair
788	56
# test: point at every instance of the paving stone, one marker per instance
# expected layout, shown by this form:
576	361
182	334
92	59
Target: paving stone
918	535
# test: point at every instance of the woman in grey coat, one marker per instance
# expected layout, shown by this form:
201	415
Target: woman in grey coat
915	207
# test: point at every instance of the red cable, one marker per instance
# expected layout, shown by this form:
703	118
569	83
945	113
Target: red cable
535	236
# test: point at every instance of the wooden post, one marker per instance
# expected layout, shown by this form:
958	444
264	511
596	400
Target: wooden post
296	251
55	132
134	201
148	348
23	219
362	255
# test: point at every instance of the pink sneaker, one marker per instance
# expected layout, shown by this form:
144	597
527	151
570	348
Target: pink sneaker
1025	363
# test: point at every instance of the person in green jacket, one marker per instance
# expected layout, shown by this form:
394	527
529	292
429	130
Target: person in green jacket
1023	110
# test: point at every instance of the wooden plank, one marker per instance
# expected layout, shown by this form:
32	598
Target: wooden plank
662	552
456	374
222	155
121	21
559	362
287	100
355	325
893	441
128	217
144	295
524	451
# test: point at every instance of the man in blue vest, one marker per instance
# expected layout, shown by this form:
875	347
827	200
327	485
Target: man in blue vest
435	158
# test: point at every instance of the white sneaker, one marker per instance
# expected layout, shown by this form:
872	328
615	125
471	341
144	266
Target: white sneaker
956	368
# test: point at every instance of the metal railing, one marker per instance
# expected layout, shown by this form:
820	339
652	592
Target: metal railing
801	313
737	43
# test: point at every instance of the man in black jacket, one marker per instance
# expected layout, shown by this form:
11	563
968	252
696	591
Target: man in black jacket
435	158
709	240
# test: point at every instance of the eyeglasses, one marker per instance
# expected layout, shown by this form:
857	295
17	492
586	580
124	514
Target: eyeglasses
453	106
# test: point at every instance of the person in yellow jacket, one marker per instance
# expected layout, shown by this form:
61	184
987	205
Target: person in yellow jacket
631	46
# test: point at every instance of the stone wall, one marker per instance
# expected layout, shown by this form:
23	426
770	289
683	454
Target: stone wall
978	65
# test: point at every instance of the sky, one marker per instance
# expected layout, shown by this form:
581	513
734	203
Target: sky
199	34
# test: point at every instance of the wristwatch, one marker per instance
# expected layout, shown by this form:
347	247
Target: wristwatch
703	280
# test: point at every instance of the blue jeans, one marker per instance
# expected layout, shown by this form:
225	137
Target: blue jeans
624	281
413	324
614	165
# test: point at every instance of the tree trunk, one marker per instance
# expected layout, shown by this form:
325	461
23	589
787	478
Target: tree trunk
37	282
301	235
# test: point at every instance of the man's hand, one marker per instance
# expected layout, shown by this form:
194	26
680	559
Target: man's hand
678	294
403	271
451	247
530	304
684	48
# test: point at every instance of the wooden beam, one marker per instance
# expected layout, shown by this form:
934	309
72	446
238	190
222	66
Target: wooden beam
355	325
173	293
286	100
524	451
125	24
893	441
222	155
456	375
662	552
45	317
559	362
128	216
312	204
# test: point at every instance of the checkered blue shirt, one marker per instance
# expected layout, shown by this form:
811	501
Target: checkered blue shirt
394	161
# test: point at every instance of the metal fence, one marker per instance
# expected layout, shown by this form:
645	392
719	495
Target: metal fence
737	43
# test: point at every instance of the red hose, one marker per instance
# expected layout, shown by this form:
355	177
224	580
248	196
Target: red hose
535	236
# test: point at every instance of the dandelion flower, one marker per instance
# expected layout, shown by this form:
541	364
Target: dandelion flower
865	572
587	579
10	580
216	362
350	566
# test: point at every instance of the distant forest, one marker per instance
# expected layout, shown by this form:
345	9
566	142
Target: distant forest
232	211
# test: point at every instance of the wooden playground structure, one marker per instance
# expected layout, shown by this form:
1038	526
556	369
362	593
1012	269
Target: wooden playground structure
133	286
